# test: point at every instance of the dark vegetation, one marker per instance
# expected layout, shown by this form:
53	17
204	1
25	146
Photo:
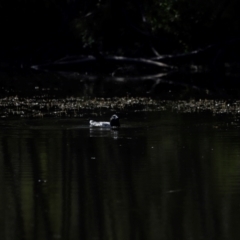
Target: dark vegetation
167	45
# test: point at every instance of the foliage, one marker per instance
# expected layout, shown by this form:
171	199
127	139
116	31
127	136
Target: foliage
119	26
161	23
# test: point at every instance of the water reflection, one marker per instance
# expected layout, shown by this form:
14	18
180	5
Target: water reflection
103	132
172	177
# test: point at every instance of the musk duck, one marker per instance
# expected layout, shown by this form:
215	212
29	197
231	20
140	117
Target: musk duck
114	123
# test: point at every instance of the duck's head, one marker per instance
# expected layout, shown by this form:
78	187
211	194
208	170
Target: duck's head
114	121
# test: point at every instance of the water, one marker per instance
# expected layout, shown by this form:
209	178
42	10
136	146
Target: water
161	176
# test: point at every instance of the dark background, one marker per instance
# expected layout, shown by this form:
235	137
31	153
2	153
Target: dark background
203	35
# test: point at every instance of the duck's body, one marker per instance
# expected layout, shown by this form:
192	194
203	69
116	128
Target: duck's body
99	124
114	123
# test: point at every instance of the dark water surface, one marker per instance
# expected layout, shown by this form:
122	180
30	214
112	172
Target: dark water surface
162	176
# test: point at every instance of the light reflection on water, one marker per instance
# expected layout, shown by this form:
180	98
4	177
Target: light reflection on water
168	176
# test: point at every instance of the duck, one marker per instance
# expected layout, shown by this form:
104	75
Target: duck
114	123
